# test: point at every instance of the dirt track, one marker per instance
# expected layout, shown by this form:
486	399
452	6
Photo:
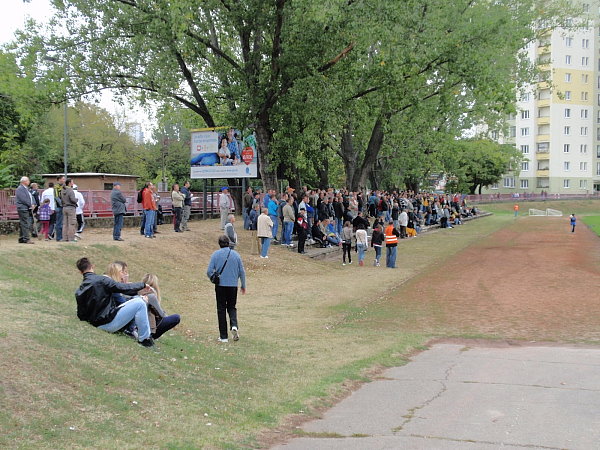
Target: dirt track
532	280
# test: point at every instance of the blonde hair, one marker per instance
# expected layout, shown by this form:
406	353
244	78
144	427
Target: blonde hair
152	280
114	271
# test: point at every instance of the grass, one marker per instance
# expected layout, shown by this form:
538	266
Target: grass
307	328
578	207
593	222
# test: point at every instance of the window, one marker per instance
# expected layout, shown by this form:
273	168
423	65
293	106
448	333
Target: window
567	95
584	78
495	186
512	131
567	77
584	113
598	168
567	131
586	7
583	165
566	148
567	113
108	186
525	131
566	183
494	135
568	59
525	149
582	184
598	134
584	96
509	182
525	166
585	43
585	60
583	149
597	151
524	184
526	97
566	166
525	114
583	131
568	41
512	116
543	147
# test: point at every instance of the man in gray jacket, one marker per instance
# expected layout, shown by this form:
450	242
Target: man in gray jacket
69	203
118	205
24	204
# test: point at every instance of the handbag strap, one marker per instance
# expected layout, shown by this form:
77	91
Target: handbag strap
225	263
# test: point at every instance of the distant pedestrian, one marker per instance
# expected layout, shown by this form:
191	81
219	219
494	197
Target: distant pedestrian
178	199
69	206
347	235
44	214
224	205
264	231
119	207
573	222
377	240
149	205
230	231
58	209
24	203
361	243
391	245
301	230
35	196
516	209
228	264
79	212
49	194
187	206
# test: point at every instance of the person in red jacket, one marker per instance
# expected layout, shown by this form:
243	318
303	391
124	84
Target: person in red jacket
149	205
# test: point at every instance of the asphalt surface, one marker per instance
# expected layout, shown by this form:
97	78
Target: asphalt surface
453	396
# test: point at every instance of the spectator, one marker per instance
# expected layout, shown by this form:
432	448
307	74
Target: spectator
230	231
361	244
264	232
288	222
187	206
347	233
391	244
160	322
25	205
273	205
338	211
377	240
224	205
253	216
403	222
301	230
228	263
58	209
317	233
247	207
96	305
178	199
119	207
69	206
79	212
149	205
49	194
35	196
44	213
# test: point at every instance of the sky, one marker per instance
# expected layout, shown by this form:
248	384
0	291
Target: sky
13	16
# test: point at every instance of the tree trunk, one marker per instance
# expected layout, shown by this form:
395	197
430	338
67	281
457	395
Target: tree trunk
268	170
348	154
322	169
236	193
359	179
480	186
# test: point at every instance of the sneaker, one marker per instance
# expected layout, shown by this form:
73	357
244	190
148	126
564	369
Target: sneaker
350	262
77	235
343	264
223	340
378	264
147	343
236	334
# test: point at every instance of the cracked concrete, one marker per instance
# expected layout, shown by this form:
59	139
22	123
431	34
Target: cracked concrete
455	397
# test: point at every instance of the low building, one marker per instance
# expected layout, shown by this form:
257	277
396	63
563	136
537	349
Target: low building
96	181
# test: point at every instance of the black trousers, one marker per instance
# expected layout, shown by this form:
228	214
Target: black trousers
177	212
346	250
25	225
226	300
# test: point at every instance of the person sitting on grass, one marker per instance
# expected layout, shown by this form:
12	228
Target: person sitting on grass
160	321
317	233
329	231
96	305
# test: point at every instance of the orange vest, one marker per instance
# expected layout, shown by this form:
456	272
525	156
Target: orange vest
390	237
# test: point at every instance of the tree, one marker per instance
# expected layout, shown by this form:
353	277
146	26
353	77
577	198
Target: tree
478	162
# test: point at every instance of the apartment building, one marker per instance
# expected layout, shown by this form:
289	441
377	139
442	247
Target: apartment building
557	124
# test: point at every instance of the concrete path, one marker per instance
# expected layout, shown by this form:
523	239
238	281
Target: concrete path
457	397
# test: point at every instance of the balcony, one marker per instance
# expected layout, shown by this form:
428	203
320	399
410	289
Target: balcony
542	103
540	156
543	173
542	137
543	120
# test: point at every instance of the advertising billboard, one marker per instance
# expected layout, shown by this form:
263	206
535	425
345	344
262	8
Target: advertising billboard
223	153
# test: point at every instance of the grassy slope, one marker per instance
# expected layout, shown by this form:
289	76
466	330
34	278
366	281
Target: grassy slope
593	222
66	384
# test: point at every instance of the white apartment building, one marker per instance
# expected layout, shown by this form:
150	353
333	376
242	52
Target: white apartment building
557	124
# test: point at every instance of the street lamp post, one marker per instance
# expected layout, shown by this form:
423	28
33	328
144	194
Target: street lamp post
65	138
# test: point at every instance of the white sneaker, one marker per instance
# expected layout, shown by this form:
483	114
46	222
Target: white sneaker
223	340
343	264
236	335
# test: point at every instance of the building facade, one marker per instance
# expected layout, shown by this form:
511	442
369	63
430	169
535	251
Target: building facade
557	124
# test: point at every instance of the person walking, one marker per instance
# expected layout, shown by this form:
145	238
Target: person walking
224	205
69	211
119	207
149	205
361	244
178	200
573	223
79	212
346	235
227	263
264	231
377	240
24	203
187	206
516	209
230	231
391	244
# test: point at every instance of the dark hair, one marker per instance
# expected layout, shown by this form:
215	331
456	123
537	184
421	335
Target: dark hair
83	264
173	186
223	241
347	224
68	181
51	184
59	177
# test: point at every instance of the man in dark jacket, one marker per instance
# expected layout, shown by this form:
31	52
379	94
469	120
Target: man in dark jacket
24	203
117	201
96	304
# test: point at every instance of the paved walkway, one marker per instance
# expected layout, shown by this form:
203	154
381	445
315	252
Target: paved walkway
457	397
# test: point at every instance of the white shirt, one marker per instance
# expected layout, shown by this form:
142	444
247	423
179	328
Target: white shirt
403	219
80	202
223	201
48	193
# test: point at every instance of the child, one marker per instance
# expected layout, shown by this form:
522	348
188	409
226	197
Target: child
45	212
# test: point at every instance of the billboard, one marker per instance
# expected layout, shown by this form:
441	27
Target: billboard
223	153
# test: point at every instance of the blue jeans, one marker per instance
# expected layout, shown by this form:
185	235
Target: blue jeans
265	242
361	251
275	220
390	257
165	324
149	215
333	240
118	226
377	253
58	225
134	309
288	227
339	224
246	219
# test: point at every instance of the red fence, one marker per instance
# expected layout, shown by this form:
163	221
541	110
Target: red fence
97	203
